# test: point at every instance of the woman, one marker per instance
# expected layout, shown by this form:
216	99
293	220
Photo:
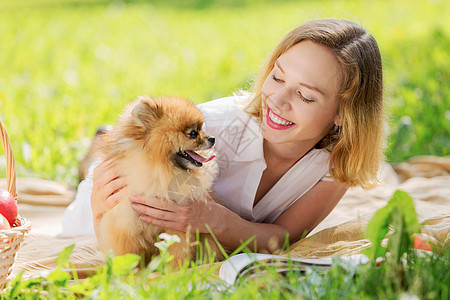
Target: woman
287	153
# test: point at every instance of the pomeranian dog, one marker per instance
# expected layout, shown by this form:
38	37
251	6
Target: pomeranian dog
159	145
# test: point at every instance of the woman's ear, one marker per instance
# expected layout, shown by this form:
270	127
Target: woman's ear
337	120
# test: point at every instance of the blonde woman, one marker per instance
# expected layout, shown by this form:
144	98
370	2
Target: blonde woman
287	152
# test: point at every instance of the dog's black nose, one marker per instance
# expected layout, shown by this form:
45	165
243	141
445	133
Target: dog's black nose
212	140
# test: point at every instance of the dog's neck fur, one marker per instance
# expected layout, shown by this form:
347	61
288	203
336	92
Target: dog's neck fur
163	179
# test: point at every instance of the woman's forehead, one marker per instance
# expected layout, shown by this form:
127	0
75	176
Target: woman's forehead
313	65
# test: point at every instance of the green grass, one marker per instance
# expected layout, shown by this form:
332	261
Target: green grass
421	276
68	66
405	272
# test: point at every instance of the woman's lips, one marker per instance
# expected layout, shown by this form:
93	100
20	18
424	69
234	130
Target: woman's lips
276	122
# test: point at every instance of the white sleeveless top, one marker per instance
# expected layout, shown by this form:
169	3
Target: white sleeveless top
239	147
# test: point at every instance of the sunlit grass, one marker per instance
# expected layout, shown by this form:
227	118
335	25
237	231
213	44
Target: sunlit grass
420	276
67	67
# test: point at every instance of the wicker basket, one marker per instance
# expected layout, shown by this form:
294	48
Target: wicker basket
10	239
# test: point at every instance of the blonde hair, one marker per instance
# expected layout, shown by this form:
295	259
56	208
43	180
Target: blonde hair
357	148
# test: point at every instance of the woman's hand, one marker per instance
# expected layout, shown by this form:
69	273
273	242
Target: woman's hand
170	215
108	189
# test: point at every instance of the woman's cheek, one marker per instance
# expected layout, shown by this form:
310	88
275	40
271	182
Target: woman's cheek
266	88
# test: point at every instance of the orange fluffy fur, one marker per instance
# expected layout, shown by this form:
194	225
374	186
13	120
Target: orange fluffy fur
143	145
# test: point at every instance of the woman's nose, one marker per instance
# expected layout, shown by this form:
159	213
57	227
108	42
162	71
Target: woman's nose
281	99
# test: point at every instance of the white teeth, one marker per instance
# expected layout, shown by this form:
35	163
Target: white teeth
277	120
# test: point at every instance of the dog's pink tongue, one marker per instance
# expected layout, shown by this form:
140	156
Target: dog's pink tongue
199	158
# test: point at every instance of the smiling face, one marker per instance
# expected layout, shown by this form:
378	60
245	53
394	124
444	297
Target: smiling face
300	96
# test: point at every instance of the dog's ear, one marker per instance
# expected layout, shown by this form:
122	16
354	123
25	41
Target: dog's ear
147	110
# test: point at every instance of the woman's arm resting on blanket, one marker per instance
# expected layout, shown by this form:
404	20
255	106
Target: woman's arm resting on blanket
308	211
232	230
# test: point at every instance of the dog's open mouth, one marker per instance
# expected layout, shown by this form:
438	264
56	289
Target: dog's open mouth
196	159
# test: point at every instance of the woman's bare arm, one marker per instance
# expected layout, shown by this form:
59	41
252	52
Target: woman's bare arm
231	230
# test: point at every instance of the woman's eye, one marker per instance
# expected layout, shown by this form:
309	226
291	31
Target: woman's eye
276	78
193	134
305	99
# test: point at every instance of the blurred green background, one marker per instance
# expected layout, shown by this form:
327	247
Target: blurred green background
68	66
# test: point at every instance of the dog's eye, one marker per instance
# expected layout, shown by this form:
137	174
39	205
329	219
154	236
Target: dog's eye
193	134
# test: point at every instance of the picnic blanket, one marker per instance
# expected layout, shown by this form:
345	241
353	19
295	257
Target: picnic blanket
425	178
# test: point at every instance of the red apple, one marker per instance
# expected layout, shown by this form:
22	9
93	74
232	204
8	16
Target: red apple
423	241
4	224
8	206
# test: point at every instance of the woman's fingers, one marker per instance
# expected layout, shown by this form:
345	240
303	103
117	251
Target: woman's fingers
119	193
114	186
108	188
156	203
155	213
105	173
167	214
162	213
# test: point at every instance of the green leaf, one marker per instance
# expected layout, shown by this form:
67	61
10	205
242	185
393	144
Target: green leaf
376	230
59	277
15	285
401	214
396	243
406	205
108	269
63	257
86	286
122	265
404	221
